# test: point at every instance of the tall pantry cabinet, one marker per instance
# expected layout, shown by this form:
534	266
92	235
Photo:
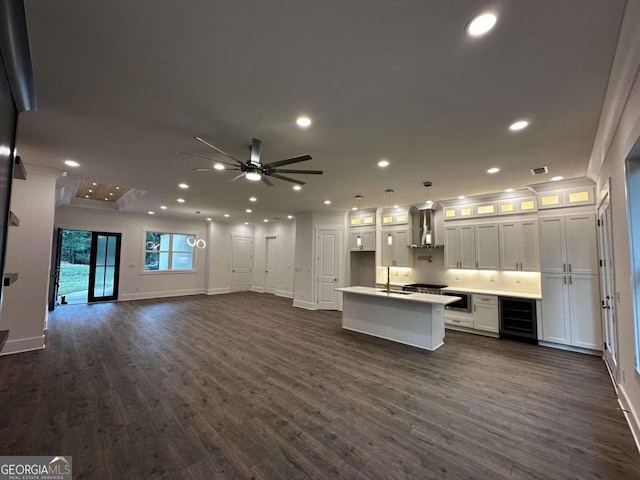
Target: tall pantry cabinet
569	276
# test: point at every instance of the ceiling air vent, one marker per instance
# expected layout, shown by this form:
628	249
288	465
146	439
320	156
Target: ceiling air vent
539	170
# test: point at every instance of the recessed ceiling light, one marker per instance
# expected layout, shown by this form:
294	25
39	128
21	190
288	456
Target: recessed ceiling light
289	217
180	200
110	194
106	198
509	190
556	179
493	170
117	188
184	186
248	210
297	188
253	176
163	207
303	122
383	163
71	163
461	197
481	24
519	125
209	219
86	196
246	223
150	212
354	208
94	184
252	199
226	215
327	202
396	206
266	220
90	191
218	166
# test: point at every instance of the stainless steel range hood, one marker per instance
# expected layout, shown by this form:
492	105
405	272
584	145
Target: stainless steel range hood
425	234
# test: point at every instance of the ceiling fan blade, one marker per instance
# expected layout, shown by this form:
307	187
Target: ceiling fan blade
238	176
306	172
288	179
212	169
205	158
266	181
280	163
256	147
217	149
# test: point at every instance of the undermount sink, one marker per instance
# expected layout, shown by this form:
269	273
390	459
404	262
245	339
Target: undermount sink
398	292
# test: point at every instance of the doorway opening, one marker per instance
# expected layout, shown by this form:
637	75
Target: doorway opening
75	256
86	267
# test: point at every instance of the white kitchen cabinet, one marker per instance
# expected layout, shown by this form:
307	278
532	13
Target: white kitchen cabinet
487	256
570	310
460	247
519	249
398	254
367	240
485	313
568	244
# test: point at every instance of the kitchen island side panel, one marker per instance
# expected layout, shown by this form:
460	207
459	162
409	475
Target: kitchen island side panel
412	323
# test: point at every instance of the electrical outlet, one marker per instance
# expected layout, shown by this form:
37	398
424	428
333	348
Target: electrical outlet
518	279
492	277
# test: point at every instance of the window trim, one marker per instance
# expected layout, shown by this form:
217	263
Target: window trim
169	271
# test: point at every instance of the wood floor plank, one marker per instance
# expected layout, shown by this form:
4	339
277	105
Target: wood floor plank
245	386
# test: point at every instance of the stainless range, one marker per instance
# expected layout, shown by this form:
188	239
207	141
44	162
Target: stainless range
424	288
462	305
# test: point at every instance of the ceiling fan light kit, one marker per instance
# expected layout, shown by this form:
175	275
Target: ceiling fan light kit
253	169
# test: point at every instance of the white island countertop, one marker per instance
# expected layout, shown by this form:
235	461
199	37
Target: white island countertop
409	296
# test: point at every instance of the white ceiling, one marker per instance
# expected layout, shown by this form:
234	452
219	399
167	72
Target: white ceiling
122	85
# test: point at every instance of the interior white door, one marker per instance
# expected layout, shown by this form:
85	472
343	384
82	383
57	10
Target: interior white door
271	259
241	262
607	288
328	250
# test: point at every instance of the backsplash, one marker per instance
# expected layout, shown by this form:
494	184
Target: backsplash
433	271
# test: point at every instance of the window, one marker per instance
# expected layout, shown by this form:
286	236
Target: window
633	199
168	251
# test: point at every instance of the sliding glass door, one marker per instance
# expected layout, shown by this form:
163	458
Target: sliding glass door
104	267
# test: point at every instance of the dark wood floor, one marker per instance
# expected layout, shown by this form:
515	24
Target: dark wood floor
245	386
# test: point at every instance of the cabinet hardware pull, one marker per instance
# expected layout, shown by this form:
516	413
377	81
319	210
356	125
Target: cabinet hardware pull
569	268
476	265
564	279
516	265
521	266
570	280
564	267
475	307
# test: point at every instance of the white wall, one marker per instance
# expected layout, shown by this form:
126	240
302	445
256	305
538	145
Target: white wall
24	309
618	131
285	233
134	283
303	272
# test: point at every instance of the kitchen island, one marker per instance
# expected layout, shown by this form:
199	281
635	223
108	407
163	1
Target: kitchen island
415	319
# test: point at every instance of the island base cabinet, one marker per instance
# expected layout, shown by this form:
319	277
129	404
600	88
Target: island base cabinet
570	310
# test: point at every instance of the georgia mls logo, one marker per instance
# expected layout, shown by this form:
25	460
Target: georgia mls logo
36	468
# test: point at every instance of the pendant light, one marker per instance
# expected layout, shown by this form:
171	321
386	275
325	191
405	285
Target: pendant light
389	191
359	238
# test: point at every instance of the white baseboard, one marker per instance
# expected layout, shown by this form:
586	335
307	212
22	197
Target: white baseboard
570	348
20	345
217	291
303	304
284	293
255	288
630	414
171	293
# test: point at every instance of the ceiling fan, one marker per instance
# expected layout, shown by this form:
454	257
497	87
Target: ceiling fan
252	169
